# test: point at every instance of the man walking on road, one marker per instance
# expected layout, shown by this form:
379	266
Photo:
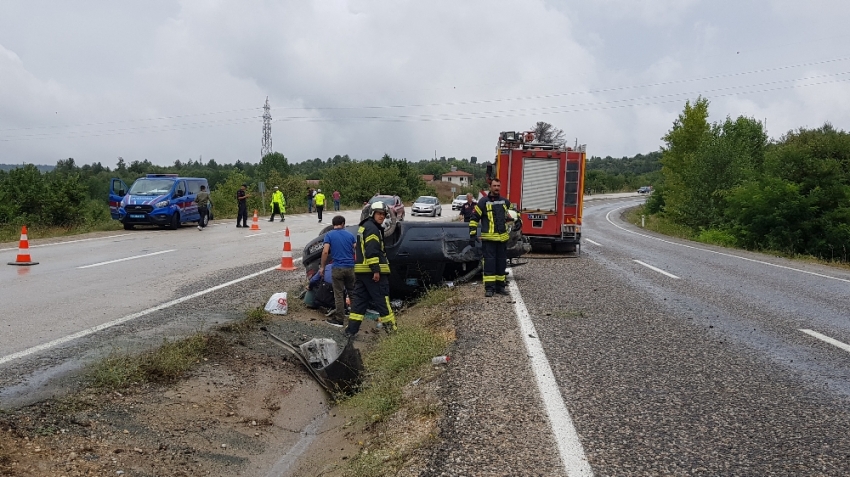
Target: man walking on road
203	201
371	272
492	212
320	203
467	208
309	200
339	245
242	211
336	196
278	204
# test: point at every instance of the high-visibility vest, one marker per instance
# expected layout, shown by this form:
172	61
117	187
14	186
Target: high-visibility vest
320	199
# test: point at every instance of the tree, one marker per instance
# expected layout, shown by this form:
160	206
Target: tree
274	161
547	134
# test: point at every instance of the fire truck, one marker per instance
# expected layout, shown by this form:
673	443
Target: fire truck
545	182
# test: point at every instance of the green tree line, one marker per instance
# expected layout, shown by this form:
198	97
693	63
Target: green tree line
728	182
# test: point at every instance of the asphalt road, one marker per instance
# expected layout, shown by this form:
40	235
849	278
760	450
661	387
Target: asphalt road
677	358
86	283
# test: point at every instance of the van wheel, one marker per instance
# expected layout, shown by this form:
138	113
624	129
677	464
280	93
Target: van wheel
175	221
129	226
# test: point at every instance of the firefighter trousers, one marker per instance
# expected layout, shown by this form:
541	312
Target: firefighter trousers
495	262
370	294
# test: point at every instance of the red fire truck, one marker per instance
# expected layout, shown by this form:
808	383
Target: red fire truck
545	182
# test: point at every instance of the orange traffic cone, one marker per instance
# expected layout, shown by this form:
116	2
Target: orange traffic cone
255	224
286	258
24	258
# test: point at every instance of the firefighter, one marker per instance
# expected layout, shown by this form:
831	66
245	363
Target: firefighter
492	213
278	204
371	272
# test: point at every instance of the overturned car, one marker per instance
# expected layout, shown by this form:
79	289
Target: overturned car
422	254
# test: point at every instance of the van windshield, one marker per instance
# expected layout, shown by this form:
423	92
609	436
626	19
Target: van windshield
151	187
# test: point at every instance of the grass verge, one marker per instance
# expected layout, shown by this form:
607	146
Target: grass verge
397	402
11	233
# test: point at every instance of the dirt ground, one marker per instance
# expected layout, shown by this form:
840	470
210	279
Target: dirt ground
247	409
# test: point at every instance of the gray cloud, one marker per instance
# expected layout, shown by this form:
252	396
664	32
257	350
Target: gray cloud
169	80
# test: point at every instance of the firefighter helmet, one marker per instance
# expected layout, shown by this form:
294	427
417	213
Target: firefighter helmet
377	207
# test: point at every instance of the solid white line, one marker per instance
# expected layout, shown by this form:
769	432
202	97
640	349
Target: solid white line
566	437
69	241
95	329
827	339
608	217
657	269
125	259
594	243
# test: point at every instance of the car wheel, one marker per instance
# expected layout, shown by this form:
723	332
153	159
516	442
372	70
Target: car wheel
434	213
129	226
175	221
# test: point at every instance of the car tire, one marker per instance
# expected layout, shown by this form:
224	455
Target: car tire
434	213
175	221
129	226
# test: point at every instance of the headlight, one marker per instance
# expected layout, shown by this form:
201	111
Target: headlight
162	204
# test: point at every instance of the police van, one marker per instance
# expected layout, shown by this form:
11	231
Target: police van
166	200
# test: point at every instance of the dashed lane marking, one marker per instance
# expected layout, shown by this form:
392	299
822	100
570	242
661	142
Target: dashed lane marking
657	269
110	324
827	339
566	436
127	258
594	243
608	218
67	242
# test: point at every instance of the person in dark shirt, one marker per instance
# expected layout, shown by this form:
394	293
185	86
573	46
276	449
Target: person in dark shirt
242	212
468	208
203	201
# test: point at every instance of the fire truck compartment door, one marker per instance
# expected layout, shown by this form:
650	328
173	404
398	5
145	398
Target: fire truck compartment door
540	184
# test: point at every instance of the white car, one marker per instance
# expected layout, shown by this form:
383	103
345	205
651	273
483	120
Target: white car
458	202
427	205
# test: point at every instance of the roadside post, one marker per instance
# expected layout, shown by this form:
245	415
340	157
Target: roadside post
261	186
643	221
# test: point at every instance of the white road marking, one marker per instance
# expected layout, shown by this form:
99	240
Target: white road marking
608	217
69	241
827	339
594	243
657	269
95	329
125	259
267	233
566	437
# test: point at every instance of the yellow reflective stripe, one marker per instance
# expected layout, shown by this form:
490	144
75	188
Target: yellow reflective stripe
500	278
373	237
372	261
489	278
361	268
355	317
473	223
477	209
385	268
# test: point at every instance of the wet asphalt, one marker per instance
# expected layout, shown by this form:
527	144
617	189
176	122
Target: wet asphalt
704	374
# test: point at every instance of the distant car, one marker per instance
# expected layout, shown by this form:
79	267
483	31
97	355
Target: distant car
458	202
396	212
427	205
644	190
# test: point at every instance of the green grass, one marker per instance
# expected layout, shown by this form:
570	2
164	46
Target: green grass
165	363
10	233
437	295
394	362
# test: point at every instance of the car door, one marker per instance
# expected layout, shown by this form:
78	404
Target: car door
117	191
182	199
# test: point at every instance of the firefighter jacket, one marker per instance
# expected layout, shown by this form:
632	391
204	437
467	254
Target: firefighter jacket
277	198
492	214
369	254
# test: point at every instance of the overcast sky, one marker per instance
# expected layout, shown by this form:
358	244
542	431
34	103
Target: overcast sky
164	80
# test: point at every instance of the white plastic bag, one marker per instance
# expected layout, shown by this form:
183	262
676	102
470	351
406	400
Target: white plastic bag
277	304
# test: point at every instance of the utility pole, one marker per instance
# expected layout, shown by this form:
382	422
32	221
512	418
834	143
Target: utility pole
267	130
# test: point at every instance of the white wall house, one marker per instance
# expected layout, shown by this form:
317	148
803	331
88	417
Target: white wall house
460	178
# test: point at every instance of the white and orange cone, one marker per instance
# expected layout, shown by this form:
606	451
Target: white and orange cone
24	258
286	258
255	223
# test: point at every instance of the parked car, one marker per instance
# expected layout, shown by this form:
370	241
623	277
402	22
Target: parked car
458	202
645	190
392	201
427	205
423	254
